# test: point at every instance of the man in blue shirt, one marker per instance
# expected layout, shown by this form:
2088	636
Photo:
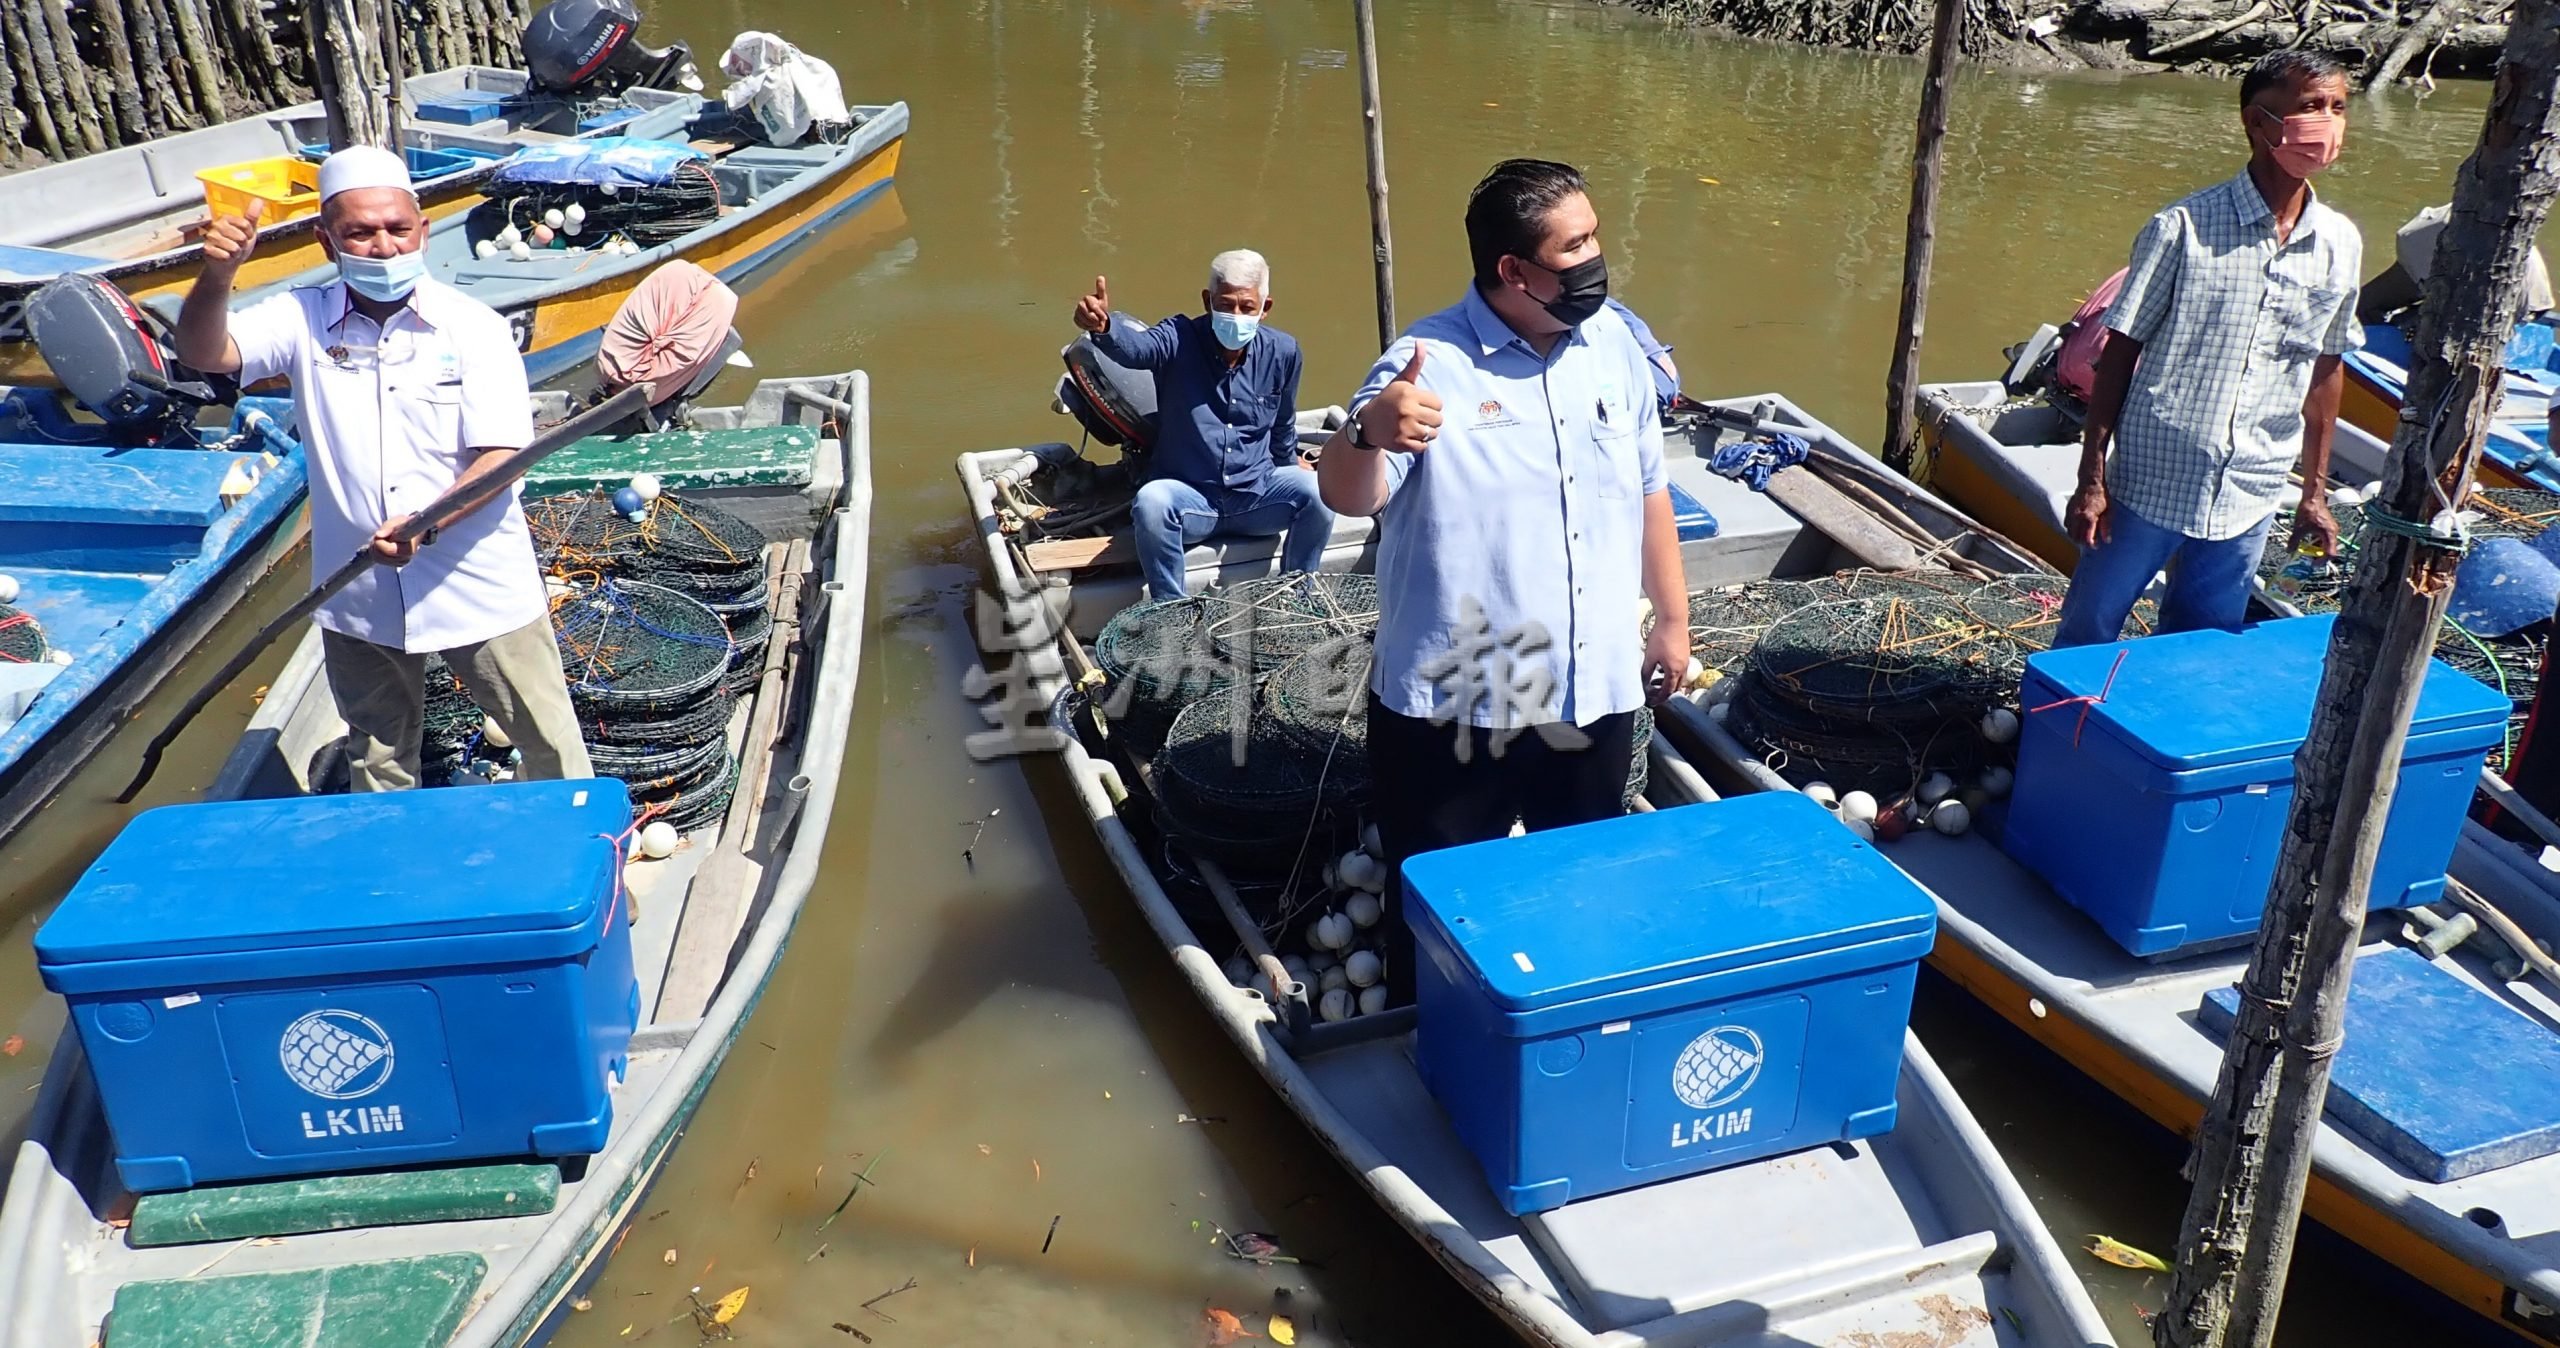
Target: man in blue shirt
1511	448
1226	451
1666	375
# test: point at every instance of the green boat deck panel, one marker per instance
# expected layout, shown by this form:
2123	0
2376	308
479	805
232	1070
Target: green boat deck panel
686	460
391	1303
344	1202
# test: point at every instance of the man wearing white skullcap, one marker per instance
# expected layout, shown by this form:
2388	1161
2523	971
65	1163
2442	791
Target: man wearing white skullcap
405	387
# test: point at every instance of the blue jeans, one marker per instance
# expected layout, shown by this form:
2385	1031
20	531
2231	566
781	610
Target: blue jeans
2208	580
1170	516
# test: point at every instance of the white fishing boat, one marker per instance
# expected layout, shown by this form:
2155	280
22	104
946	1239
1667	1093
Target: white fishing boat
484	1255
1919	1235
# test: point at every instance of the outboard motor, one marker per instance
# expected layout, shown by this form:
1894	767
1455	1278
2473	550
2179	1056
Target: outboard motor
674	333
1114	403
120	361
587	47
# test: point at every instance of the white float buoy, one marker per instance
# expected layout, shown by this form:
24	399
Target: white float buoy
1373	999
510	236
2000	725
1820	793
1320	961
1719	711
485	249
1370	843
8	589
518	251
1937	786
658	841
1858	808
1333	931
1996	781
1296	969
1364	909
1334	979
647	485
1865	829
1337	1005
495	735
2344	498
1239	971
1951	818
576	214
1364	968
1363	872
555	217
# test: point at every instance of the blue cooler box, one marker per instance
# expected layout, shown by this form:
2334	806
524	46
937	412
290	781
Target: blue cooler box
1651	996
290	987
2163	820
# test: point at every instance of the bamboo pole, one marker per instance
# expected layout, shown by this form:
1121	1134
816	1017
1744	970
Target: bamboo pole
188	34
117	44
2253	1154
31	77
1920	241
50	32
13	144
341	35
393	113
1381	238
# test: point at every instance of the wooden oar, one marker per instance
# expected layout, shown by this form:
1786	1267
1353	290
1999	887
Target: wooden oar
421	528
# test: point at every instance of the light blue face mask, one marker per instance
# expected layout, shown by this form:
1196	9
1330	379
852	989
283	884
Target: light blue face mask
1234	330
386	279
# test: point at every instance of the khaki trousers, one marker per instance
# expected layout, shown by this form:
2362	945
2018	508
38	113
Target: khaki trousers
515	678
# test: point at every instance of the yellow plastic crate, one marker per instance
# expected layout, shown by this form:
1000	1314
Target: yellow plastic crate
290	187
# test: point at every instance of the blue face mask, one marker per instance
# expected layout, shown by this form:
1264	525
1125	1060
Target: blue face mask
386	279
1234	330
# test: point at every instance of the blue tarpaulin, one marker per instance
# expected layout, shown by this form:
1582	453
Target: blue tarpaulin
607	161
1753	462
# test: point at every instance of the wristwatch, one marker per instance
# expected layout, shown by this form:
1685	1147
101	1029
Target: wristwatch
1360	434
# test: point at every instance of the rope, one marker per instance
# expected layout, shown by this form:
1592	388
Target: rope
2085	701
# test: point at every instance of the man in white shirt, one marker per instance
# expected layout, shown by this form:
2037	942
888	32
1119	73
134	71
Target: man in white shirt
404	387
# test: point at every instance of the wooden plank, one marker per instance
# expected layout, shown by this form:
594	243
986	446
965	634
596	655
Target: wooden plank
1822	505
1081	554
723	891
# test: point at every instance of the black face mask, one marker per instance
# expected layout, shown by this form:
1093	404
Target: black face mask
1580	290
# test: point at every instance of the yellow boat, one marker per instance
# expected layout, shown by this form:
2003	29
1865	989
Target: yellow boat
135	215
773	201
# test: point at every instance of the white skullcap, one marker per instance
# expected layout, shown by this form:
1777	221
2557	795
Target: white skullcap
360	166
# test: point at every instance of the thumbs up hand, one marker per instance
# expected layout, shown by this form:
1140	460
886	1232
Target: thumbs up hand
1093	312
1404	415
229	238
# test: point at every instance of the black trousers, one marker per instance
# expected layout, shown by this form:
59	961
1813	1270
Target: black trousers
1423	798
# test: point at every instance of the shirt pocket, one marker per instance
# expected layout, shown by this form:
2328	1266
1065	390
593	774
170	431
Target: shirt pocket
2302	312
1613	445
427	409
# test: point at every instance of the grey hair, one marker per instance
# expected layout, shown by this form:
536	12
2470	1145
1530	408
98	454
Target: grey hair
1241	267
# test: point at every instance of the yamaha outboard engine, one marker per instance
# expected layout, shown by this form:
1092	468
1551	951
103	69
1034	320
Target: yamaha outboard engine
1114	403
120	361
587	47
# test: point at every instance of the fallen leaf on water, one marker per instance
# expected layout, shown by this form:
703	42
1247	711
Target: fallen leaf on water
626	1332
1493	105
973	1256
1282	1331
13	1045
1711	182
1225	1328
668	1258
985	1150
727	1308
708	1265
2121	1255
1035	1170
1106	1095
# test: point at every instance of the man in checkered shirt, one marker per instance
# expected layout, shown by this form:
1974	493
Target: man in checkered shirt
2220	370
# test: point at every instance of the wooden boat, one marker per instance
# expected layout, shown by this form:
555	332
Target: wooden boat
2130	1025
711	924
126	558
2519	449
1919	1236
774	200
136	215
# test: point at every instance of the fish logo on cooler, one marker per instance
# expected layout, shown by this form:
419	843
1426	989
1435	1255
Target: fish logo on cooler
336	1055
1717	1067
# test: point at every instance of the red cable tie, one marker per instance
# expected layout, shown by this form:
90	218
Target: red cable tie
2085	701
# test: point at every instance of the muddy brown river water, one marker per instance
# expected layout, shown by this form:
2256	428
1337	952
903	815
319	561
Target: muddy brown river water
998	1036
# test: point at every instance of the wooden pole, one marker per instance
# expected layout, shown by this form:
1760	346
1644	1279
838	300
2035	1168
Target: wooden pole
1381	239
341	38
1920	242
2253	1155
393	113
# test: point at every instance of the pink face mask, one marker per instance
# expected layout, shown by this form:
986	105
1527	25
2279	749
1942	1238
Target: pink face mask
2308	142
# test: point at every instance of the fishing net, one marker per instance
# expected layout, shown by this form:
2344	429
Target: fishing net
1262	625
748	633
1157	660
680	541
1725	624
635	647
1231	788
2512	664
1319	704
21	637
648	216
